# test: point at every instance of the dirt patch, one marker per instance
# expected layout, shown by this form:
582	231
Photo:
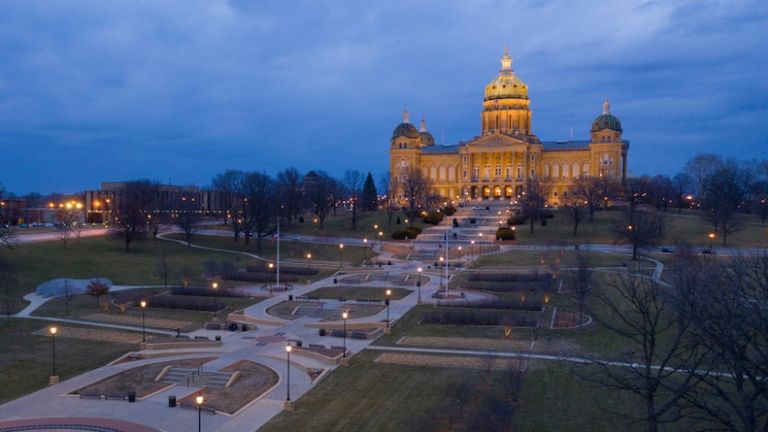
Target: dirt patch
462	342
136	321
286	309
565	318
92	334
140	379
254	380
464	362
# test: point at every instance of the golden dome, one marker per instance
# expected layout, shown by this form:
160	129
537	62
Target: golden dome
506	85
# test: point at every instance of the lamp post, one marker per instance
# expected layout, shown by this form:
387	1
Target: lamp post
345	315
288	349
460	257
381	237
309	264
199	401
215	286
269	284
472	249
53	330
711	240
365	250
442	260
389	292
143	305
418	282
341	254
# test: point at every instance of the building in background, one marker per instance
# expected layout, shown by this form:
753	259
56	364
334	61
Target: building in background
496	164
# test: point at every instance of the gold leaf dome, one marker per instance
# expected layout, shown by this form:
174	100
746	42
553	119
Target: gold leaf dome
506	85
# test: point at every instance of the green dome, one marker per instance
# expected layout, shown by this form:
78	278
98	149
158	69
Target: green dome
606	121
405	129
427	139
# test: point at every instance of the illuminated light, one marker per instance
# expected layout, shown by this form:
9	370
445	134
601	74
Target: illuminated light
288	348
53	330
143	303
199	399
215	285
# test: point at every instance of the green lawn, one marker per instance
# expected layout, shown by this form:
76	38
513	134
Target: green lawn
548	258
39	262
293	250
366	293
689	227
409	325
83	305
341	225
25	360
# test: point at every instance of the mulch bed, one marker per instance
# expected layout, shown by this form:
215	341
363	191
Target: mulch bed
464	362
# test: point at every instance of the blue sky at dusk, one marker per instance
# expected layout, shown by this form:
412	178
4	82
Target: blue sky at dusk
183	89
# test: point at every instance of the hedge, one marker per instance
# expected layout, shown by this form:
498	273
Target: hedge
479	318
206	292
517	220
410	233
504	233
302	271
533	305
449	210
433	217
259	277
187	303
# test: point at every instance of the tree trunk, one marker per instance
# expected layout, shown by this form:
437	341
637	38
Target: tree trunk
634	251
575	229
533	222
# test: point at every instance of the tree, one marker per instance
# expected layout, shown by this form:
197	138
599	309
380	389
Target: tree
6	234
261	208
760	200
722	194
231	184
390	203
681	186
164	268
580	282
662	191
289	190
155	222
596	191
701	167
336	195
638	228
415	187
319	187
7	284
68	221
353	181
730	323
370	198
533	199
639	311
96	289
575	209
133	202
188	218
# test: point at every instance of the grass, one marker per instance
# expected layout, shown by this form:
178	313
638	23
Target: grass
292	250
25	360
36	263
341	225
689	227
358	293
83	305
546	258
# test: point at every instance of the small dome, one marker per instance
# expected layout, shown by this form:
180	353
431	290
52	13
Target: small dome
606	120
427	139
405	130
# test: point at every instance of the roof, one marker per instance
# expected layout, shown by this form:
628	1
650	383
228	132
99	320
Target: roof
440	149
606	121
405	129
565	145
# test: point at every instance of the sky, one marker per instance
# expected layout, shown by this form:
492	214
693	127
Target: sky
180	90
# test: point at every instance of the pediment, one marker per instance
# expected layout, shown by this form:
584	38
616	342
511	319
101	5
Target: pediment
497	140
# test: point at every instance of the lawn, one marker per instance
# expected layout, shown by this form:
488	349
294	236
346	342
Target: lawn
358	293
25	359
546	259
99	256
341	225
84	307
680	227
292	250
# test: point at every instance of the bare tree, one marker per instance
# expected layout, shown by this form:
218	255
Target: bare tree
318	186
353	180
701	167
336	194
188	218
639	311
97	289
580	282
722	195
261	205
681	186
68	295
533	199
596	192
231	184
155	222
575	209
638	228
662	192
6	234
289	191
68	220
164	268
415	187
133	202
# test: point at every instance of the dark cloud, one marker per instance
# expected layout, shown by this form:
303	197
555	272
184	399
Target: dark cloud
183	89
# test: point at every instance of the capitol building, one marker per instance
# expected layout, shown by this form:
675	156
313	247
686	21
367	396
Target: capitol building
496	163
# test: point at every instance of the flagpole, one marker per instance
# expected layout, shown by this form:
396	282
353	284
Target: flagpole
446	265
278	254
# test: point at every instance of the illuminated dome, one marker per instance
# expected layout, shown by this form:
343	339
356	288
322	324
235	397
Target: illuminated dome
606	120
506	85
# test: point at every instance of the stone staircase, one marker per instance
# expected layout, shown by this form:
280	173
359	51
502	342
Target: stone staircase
473	221
192	377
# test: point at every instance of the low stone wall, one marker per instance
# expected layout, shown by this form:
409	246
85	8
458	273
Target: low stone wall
179	345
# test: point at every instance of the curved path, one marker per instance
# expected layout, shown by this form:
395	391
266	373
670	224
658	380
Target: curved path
67	424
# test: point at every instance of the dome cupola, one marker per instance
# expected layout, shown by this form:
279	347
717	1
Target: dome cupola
506	85
405	129
426	138
606	120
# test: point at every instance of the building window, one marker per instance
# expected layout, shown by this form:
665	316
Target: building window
554	193
575	169
508	172
533	157
565	170
464	174
498	171
546	170
476	171
533	172
519	172
464	158
555	170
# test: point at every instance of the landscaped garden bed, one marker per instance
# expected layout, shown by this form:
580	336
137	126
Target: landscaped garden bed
457	316
357	293
457	361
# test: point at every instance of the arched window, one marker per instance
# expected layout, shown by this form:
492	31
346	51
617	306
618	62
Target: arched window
555	171
584	169
546	170
575	170
441	175
433	173
451	173
487	172
476	172
508	172
565	170
497	173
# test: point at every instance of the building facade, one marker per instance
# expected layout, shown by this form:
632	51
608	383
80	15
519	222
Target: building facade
496	163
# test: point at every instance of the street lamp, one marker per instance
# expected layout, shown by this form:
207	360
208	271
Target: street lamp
418	282
460	257
143	305
269	284
365	250
389	293
472	249
381	237
345	315
288	349
341	254
711	240
309	264
199	401
53	330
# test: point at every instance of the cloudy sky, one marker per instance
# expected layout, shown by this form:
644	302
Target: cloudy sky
180	90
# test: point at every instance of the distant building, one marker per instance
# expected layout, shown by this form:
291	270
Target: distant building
496	164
